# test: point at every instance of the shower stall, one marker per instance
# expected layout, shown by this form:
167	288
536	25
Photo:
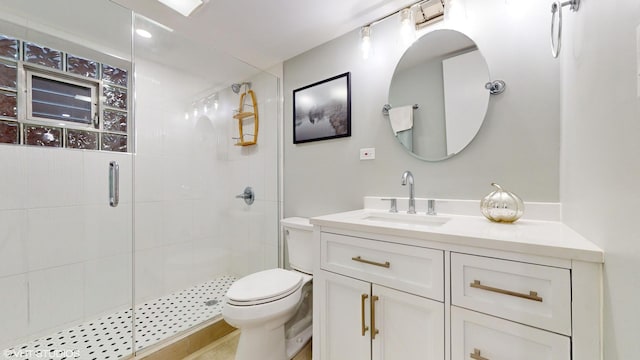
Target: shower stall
120	229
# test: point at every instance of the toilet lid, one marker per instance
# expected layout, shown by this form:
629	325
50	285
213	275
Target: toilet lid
263	286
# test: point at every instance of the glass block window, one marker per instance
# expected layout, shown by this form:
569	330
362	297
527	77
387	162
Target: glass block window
42	55
9	47
65	100
114	121
8	104
83	67
9	132
113	142
60	99
78	139
114	75
42	136
8	76
115	97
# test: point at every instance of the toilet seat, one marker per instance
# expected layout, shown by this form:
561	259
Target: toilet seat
263	287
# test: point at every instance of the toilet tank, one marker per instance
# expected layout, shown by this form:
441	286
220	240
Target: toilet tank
298	235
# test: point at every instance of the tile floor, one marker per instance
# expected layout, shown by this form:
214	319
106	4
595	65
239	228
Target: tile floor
109	337
225	349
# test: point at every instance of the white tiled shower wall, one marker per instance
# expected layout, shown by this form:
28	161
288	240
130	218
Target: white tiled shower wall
189	226
65	254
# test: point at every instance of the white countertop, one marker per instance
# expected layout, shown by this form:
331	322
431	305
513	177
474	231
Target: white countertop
534	237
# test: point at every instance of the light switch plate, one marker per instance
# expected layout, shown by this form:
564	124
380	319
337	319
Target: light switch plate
367	154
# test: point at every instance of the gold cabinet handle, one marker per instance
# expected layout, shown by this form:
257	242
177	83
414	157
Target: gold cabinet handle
385	264
532	295
476	355
374	331
364	327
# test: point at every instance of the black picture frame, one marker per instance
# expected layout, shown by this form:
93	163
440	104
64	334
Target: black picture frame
322	110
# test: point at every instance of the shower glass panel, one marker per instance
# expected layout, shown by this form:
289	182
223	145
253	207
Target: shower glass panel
193	237
66	255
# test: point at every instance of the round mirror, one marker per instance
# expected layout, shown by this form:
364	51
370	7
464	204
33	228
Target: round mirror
437	97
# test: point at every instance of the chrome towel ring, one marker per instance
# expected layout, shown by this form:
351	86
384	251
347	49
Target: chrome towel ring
556	11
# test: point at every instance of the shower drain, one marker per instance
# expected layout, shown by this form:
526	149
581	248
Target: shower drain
211	302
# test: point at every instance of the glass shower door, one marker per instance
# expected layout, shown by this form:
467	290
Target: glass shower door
66	214
193	236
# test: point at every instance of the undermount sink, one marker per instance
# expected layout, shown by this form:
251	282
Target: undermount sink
405	219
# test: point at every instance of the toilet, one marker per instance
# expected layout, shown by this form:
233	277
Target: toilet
273	308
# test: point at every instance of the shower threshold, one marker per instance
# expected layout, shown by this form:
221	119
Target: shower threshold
110	336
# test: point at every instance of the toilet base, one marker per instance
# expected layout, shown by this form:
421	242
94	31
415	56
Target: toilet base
261	344
295	344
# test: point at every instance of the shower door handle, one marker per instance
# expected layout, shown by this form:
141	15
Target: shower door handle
114	183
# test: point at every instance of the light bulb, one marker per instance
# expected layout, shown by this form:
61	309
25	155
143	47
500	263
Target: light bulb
144	33
407	26
215	104
365	36
186	115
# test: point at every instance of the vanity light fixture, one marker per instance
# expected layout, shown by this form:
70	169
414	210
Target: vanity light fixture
416	15
365	37
428	12
184	7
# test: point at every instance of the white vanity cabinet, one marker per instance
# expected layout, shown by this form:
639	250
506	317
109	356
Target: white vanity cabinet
470	290
504	310
374	303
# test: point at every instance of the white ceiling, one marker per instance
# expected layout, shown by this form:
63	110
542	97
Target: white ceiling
261	33
266	32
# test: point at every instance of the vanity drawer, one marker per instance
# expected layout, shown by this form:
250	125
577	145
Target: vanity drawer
481	337
407	268
531	294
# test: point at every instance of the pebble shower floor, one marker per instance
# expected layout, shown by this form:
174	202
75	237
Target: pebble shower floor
109	337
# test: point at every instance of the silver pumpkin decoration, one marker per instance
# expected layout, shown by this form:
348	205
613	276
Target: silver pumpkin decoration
501	205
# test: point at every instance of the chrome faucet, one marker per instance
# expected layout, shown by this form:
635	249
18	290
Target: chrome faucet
407	176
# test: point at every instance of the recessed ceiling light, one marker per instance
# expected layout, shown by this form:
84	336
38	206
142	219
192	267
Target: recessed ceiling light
144	33
184	7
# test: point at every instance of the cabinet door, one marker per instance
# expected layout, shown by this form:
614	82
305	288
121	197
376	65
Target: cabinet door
483	337
344	312
410	326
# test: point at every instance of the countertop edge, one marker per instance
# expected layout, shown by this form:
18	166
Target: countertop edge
589	253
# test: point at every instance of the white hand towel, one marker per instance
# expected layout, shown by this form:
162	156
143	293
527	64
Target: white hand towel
401	118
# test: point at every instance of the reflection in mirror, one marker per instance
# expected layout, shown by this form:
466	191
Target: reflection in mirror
444	74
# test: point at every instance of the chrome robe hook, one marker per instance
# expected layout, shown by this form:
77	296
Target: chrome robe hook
556	11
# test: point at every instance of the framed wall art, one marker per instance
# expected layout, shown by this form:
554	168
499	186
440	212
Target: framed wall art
322	110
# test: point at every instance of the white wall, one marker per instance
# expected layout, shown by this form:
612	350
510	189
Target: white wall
600	166
518	145
189	226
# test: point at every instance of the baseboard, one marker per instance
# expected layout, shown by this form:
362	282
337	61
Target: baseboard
187	345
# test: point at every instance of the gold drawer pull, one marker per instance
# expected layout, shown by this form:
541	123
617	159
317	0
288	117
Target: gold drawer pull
532	295
374	331
364	327
476	355
386	264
